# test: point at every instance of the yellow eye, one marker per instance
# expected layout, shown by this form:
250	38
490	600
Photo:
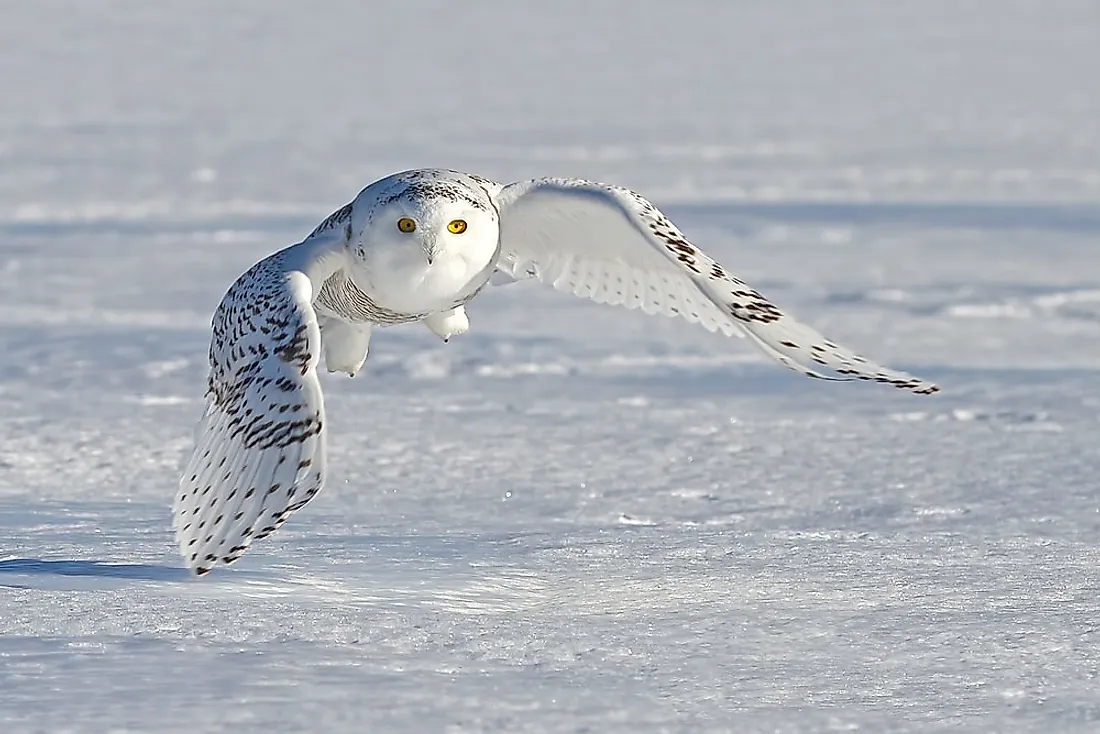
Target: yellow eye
457	226
406	225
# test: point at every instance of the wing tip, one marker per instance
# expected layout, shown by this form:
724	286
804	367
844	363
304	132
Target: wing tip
900	380
201	567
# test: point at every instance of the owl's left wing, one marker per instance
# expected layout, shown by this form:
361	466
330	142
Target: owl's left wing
611	245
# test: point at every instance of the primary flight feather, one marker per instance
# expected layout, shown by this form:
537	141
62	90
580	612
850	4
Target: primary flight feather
417	246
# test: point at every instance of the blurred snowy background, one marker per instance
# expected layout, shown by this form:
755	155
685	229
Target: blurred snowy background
573	518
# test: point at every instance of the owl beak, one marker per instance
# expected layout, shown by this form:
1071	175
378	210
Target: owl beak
429	251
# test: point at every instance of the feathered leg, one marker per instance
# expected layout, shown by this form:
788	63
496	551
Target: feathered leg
446	324
345	344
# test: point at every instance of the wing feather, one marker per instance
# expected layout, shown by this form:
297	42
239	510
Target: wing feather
259	446
610	245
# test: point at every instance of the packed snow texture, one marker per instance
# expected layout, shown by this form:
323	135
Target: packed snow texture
574	518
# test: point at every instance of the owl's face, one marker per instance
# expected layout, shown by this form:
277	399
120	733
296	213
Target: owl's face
422	244
430	229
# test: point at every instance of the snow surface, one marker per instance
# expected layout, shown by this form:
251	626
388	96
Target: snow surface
573	518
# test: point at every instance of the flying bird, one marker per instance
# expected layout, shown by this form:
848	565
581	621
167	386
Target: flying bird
417	246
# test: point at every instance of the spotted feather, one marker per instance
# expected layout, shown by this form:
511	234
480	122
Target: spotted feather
260	448
610	245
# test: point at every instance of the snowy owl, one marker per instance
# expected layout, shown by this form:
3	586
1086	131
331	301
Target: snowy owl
417	246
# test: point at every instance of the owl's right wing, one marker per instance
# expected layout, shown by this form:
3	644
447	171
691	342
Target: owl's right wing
259	450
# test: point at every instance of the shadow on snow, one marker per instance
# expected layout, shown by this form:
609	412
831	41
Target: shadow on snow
97	569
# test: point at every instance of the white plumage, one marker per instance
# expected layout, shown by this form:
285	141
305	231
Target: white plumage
416	246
